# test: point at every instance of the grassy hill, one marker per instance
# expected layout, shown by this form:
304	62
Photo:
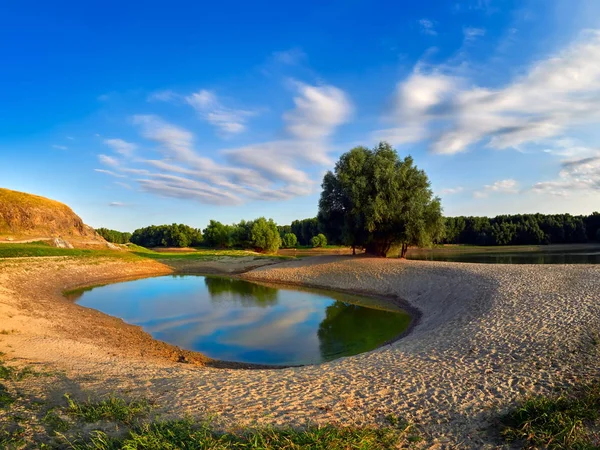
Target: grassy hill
24	216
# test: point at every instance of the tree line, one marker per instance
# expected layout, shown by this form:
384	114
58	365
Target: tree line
114	236
522	229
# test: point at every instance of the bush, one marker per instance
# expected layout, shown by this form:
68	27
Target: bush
289	240
319	241
114	236
265	235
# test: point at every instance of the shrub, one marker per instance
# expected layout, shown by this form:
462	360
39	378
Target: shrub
289	240
265	235
319	240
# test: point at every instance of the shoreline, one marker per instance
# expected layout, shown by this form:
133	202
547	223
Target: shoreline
487	336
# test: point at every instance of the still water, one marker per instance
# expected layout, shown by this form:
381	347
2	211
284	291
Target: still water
580	256
236	320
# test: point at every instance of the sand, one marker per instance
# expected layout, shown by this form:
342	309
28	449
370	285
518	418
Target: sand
487	335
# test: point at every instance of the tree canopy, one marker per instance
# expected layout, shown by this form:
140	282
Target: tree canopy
114	236
265	235
175	235
374	199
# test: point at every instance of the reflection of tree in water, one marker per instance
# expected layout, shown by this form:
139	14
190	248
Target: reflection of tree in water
349	329
248	294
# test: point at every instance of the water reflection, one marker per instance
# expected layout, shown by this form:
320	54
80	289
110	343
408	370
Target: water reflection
348	329
247	294
509	258
236	320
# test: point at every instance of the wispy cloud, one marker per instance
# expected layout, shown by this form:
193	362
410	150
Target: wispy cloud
555	94
452	191
109	172
108	160
120	146
60	147
428	27
166	95
471	33
227	120
271	170
508	186
575	176
289	57
117	204
123	185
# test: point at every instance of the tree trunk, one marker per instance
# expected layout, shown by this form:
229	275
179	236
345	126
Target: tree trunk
353	250
404	251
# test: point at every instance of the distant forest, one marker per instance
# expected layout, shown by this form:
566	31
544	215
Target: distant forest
521	229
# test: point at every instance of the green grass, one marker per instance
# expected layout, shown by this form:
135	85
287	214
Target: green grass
567	421
10	373
111	409
5	398
42	249
134	252
186	434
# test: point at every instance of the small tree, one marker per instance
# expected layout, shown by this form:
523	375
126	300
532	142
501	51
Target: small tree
265	235
289	240
319	240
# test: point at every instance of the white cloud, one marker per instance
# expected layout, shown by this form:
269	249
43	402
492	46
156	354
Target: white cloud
120	146
555	94
427	27
117	204
319	110
123	185
508	186
108	160
226	120
289	57
109	172
163	96
471	33
271	170
452	191
60	147
575	175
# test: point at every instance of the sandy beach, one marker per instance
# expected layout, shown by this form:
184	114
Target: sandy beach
487	335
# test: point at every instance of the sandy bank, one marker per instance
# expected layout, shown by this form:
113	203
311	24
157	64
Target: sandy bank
487	335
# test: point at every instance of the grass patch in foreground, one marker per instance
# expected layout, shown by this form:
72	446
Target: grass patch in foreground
186	434
567	421
111	409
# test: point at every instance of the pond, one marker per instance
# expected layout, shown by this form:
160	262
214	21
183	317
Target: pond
557	254
236	320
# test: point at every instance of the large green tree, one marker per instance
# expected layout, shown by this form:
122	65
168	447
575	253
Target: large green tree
375	200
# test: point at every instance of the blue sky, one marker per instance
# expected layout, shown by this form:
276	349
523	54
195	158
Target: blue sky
139	113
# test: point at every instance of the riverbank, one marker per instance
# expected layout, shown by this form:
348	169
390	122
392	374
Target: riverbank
487	336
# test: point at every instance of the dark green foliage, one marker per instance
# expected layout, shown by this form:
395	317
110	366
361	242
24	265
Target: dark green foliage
265	235
241	234
112	409
376	200
289	240
305	229
319	240
185	434
218	235
116	237
175	235
569	421
522	229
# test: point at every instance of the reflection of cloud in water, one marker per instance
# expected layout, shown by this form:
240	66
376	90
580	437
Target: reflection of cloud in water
226	319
